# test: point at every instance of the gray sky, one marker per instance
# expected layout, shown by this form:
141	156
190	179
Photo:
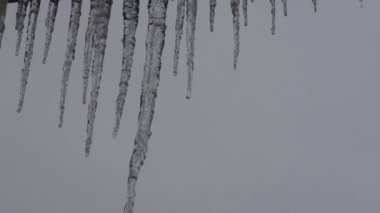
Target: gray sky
295	129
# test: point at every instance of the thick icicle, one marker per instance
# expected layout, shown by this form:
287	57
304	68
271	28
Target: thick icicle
32	24
178	33
50	20
131	18
20	17
212	14
315	5
273	12
236	25
191	19
245	12
155	41
285	6
72	35
100	39
88	45
3	12
361	2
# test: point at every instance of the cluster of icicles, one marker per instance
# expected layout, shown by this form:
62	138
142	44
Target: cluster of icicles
95	45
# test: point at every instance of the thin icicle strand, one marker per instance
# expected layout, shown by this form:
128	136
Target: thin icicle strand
131	18
273	12
20	17
285	6
178	33
32	24
245	12
50	21
155	41
212	14
100	39
315	5
236	28
76	6
88	45
3	12
191	22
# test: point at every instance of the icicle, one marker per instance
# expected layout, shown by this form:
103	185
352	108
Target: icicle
32	24
315	5
3	12
273	11
20	17
88	45
100	39
245	12
131	18
285	5
72	35
155	41
361	2
50	20
191	18
235	13
178	33
212	14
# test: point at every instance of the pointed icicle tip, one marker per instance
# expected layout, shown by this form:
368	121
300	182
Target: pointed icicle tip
191	19
49	22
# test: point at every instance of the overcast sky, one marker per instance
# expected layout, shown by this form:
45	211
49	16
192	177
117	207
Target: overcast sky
296	129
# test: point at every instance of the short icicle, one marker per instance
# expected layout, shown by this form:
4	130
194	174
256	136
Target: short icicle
3	12
212	14
100	39
20	17
76	6
191	21
155	41
131	18
178	33
285	6
50	21
245	12
32	24
315	5
236	28
273	12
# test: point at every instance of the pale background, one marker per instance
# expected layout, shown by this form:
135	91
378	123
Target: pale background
296	129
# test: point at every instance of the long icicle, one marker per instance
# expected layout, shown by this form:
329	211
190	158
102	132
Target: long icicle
285	6
76	6
88	46
191	19
315	5
32	24
236	25
361	2
155	41
212	14
273	12
131	18
50	20
245	12
178	33
3	12
100	39
20	17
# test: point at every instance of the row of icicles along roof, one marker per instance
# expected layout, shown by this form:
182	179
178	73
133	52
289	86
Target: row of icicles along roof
95	45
